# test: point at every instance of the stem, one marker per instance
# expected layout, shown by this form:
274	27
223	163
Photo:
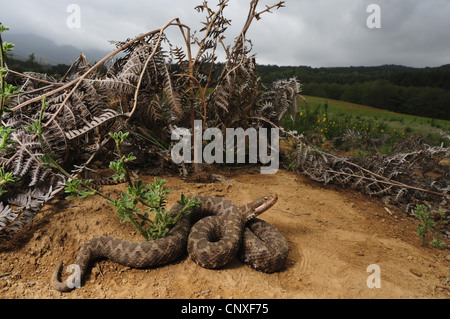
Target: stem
35	79
141	76
202	43
137	225
2	84
122	159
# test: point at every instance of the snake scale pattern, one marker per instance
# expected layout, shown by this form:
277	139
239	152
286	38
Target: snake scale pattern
213	234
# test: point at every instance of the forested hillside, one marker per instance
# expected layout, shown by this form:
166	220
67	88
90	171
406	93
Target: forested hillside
418	91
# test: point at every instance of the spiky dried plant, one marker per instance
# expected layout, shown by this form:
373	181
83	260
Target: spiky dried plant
148	90
400	179
279	99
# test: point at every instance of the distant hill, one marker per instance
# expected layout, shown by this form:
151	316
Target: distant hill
417	91
47	52
396	74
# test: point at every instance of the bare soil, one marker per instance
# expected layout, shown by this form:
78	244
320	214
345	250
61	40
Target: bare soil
334	235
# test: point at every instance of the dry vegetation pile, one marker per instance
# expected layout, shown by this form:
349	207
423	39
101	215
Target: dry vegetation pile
155	87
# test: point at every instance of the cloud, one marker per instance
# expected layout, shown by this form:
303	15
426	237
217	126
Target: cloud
315	33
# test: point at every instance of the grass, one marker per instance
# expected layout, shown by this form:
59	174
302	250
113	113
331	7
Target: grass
409	123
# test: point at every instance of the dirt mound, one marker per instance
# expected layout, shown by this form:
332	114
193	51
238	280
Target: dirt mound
334	235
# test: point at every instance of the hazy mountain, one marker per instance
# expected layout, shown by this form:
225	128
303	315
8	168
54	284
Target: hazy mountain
47	52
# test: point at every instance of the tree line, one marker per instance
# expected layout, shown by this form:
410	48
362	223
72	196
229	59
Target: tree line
416	91
31	64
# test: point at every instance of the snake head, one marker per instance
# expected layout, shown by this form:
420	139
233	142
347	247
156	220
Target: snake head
260	205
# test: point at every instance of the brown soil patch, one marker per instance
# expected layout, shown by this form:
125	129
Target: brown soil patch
334	235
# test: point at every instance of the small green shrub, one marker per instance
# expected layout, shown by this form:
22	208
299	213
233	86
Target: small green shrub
427	223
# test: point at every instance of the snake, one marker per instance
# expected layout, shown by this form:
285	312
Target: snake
212	234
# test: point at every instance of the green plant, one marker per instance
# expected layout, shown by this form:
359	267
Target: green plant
426	223
436	241
424	214
151	197
6	91
5	177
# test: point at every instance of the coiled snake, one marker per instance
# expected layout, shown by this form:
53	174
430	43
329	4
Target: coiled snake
213	235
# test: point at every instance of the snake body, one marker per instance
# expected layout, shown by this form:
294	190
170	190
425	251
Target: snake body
212	234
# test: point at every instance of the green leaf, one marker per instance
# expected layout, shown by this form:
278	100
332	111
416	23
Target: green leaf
3	71
130	158
7	47
3	28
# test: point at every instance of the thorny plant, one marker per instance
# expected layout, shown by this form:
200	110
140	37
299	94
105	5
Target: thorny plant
151	196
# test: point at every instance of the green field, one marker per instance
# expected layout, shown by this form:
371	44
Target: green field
360	129
404	122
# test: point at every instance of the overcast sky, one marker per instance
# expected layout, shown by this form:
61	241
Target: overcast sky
305	32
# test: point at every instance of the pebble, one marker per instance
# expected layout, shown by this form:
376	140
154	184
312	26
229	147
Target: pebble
447	257
415	272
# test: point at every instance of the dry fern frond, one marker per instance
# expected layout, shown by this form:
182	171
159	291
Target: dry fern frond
402	176
279	99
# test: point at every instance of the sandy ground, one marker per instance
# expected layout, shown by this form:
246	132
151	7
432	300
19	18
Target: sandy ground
334	235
